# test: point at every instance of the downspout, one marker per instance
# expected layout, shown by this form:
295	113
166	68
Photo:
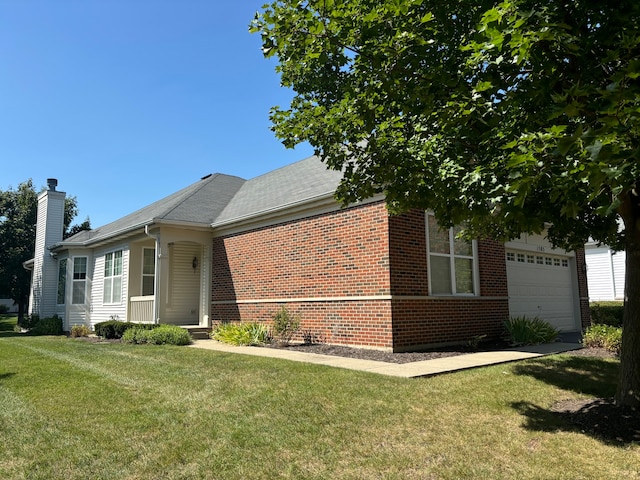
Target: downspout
156	280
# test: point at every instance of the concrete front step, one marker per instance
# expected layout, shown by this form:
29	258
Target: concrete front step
197	332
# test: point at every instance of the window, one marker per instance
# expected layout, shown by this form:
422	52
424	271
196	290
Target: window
62	281
112	292
148	271
79	280
452	265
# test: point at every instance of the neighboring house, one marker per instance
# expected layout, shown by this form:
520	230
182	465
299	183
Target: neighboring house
12	307
605	272
229	249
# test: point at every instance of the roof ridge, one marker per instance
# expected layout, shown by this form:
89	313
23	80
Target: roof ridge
199	186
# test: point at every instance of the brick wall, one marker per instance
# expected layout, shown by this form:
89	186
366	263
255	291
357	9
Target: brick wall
356	277
419	322
325	268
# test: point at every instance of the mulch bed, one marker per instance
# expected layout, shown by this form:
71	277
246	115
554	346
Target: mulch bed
408	357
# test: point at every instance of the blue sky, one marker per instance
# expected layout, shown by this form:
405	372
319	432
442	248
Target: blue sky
127	101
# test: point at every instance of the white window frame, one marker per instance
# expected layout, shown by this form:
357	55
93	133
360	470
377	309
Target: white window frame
62	281
112	278
81	279
143	275
452	267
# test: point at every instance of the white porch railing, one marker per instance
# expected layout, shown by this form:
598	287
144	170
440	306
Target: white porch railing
141	309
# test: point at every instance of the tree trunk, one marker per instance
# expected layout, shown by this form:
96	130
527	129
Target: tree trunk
628	391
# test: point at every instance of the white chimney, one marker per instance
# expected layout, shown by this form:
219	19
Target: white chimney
49	230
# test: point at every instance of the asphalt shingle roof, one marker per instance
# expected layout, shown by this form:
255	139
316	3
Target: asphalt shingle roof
221	199
292	184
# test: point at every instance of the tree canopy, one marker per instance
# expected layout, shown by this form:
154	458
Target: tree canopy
509	116
18	212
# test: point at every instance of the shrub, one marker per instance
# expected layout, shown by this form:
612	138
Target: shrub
606	313
48	326
115	328
603	336
530	331
28	321
285	325
250	333
160	335
80	331
4	308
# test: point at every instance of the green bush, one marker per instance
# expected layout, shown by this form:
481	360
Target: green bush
606	313
233	333
603	336
160	335
285	325
115	328
48	326
530	331
80	331
4	308
28	321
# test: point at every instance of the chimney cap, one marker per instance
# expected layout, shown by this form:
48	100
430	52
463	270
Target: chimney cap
52	183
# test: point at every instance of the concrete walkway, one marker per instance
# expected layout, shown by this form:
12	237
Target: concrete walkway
405	370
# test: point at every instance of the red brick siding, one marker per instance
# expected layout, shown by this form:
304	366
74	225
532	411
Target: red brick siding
408	253
437	320
360	251
343	253
357	323
434	321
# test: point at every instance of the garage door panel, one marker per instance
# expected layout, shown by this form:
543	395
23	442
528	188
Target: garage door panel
541	285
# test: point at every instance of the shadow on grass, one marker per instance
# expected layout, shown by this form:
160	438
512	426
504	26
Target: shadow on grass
6	375
586	375
597	416
7	324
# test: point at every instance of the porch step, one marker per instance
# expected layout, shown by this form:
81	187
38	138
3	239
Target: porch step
198	333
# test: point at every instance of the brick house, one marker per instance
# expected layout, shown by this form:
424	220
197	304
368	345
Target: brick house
229	249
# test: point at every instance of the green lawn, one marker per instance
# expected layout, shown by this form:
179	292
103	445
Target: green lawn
71	409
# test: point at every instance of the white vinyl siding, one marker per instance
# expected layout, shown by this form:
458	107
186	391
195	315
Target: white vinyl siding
112	284
605	273
184	291
101	310
452	261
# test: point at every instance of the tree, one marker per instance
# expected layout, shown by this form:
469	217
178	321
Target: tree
18	212
507	117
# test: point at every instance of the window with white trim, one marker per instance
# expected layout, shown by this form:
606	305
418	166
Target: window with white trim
79	286
112	292
62	281
148	271
452	261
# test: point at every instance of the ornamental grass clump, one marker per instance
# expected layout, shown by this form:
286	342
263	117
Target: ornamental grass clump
249	333
530	331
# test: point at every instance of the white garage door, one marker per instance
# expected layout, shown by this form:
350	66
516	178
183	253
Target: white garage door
541	285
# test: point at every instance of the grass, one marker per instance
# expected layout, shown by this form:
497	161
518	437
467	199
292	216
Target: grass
72	409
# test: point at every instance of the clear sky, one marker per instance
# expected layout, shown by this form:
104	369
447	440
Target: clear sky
128	101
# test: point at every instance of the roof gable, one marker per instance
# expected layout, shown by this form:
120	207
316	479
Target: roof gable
290	185
199	203
223	199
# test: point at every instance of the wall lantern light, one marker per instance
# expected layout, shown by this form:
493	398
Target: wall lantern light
194	264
